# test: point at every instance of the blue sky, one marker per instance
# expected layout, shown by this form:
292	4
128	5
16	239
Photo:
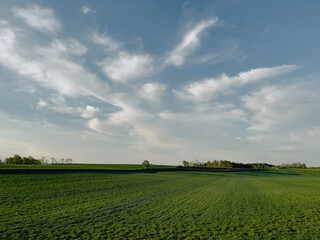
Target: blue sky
123	81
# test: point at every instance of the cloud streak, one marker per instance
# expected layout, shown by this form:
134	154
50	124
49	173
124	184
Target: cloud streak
52	66
276	108
38	18
106	41
208	89
152	92
126	67
86	10
189	43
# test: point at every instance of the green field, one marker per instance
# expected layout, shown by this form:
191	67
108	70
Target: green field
277	204
82	166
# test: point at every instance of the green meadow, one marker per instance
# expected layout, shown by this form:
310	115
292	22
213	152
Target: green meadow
275	204
82	166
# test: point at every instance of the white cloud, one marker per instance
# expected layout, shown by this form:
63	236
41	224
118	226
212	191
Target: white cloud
126	67
284	148
42	103
189	43
104	40
41	19
88	112
87	10
258	74
128	115
96	125
53	67
282	108
152	92
123	119
133	123
66	47
205	90
57	103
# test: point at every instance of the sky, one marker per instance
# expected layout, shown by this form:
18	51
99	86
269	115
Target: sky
123	81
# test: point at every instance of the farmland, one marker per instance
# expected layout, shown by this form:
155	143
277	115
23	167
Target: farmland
82	166
275	204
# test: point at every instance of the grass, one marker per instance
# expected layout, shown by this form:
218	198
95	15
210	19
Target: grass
277	204
82	166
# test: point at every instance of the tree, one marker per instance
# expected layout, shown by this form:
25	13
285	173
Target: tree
292	165
53	160
194	163
42	160
185	163
17	159
145	164
208	164
215	164
68	160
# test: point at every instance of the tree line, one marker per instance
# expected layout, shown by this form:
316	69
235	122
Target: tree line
17	159
292	165
229	164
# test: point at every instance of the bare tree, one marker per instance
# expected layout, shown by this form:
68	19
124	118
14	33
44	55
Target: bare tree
68	160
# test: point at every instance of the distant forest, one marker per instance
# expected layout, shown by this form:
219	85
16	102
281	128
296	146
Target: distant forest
17	159
229	164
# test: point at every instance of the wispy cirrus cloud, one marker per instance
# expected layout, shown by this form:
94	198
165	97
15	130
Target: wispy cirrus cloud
42	103
120	122
57	103
65	48
152	92
88	111
205	90
39	18
86	10
276	108
126	67
55	66
106	41
122	66
189	43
